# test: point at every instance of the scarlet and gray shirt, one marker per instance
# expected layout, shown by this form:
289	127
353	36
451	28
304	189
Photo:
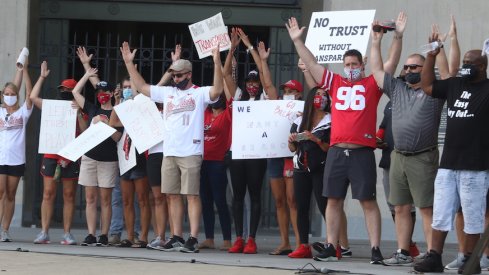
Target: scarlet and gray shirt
415	116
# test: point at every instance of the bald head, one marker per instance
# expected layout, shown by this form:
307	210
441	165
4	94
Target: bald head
475	57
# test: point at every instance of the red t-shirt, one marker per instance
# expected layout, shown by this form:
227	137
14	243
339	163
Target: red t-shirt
353	109
217	133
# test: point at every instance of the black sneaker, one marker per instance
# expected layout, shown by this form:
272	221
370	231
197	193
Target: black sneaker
103	240
174	244
465	261
377	257
346	252
327	255
89	240
319	246
190	246
431	263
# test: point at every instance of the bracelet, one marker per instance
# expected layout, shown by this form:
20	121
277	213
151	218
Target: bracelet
398	37
250	48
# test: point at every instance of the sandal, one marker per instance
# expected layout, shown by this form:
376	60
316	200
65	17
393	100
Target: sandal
280	252
125	243
140	244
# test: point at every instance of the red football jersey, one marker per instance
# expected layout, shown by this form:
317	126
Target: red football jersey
353	109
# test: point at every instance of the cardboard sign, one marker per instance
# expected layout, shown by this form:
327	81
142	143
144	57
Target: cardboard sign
261	128
207	33
58	125
126	153
331	33
91	137
142	121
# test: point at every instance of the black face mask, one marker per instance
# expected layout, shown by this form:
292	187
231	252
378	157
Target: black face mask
66	96
182	84
469	71
402	77
413	78
220	104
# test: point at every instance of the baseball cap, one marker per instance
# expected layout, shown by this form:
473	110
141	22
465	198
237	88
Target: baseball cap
69	83
252	75
105	86
292	84
181	65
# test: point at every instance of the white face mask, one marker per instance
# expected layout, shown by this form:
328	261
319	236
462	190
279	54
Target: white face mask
289	97
10	100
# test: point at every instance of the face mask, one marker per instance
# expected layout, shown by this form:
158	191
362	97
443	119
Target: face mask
469	71
413	78
252	90
353	74
220	104
66	96
103	98
182	85
289	97
10	100
127	93
320	102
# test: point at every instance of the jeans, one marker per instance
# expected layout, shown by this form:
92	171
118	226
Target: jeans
117	221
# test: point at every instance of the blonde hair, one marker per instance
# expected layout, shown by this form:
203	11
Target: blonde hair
14	88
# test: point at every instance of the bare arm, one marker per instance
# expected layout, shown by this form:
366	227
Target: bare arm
307	75
454	63
441	59
114	120
19	74
428	71
85	60
229	84
395	50
174	57
267	77
37	87
217	86
80	100
139	82
28	85
254	53
376	64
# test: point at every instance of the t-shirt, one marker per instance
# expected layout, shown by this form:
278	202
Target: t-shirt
386	124
467	134
216	133
415	116
353	109
107	150
184	118
12	135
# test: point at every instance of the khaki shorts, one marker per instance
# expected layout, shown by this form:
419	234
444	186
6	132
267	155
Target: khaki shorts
98	173
181	175
412	178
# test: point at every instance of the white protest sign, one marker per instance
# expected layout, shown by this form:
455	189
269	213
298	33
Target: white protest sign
142	121
126	153
331	33
58	125
91	137
261	128
207	33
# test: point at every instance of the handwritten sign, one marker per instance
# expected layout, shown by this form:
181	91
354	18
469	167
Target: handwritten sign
142	121
207	33
261	128
91	137
126	153
58	126
331	33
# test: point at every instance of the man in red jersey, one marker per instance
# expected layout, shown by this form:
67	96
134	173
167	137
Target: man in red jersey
350	158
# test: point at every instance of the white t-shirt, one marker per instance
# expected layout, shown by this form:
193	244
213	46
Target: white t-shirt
183	117
12	135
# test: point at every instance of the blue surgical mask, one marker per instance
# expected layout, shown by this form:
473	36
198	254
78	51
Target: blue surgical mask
353	74
127	93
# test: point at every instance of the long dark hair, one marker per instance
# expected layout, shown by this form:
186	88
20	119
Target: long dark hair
308	112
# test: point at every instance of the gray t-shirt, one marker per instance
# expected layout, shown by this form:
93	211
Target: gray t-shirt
415	116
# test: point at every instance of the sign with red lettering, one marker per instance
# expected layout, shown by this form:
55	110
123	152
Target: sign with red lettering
331	33
58	126
207	33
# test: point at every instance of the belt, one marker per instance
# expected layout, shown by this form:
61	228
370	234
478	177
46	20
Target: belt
409	154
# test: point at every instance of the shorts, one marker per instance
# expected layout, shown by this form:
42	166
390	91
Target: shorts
12	170
181	175
70	172
412	178
98	173
153	168
275	168
289	168
138	171
455	188
355	166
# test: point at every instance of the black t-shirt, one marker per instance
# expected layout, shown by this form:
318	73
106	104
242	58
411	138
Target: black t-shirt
107	150
467	134
386	124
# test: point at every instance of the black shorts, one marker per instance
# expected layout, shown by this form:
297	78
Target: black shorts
138	171
12	170
355	166
153	166
70	172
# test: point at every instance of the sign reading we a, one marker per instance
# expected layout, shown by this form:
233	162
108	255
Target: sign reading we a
208	33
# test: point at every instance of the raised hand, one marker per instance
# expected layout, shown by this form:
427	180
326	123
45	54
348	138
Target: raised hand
434	37
436	29
91	72
401	23
235	39
216	55
376	35
44	69
244	37
262	51
452	32
82	54
177	53
295	32
127	55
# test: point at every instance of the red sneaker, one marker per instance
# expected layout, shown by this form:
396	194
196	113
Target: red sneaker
250	247
304	251
237	246
413	250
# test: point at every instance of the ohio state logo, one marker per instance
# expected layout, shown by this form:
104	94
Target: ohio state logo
187	104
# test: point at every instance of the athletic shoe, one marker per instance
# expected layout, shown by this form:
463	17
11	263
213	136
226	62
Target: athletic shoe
5	237
42	238
174	244
455	264
484	262
238	246
89	240
377	257
346	252
327	255
398	258
190	246
477	269
413	250
304	251
250	247
431	263
114	239
68	239
103	240
156	243
319	246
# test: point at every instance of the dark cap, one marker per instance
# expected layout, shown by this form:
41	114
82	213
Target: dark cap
105	86
252	76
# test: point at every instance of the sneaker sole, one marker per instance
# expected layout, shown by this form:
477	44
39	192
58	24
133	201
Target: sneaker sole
173	249
329	259
63	243
399	264
379	262
88	244
6	241
45	242
101	245
186	250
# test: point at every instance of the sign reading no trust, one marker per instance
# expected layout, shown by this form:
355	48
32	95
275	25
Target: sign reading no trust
331	33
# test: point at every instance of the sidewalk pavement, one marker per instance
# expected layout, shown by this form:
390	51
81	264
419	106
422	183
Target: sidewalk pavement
24	257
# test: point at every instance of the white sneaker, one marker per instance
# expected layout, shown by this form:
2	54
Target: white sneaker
484	262
42	238
5	237
455	264
399	259
68	239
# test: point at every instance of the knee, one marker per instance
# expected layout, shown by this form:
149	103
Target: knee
10	196
49	195
91	199
370	205
335	204
127	201
280	203
291	202
402	209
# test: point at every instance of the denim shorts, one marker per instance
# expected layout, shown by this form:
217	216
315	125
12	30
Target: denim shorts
275	168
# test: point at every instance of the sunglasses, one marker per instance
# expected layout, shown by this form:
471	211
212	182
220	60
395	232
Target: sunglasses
179	75
412	66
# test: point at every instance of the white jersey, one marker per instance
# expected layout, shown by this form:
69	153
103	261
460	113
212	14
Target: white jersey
183	114
12	135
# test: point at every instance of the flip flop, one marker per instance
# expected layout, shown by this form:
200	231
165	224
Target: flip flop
125	243
140	244
280	252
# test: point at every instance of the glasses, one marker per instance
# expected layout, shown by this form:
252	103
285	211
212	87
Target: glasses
412	66
179	75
